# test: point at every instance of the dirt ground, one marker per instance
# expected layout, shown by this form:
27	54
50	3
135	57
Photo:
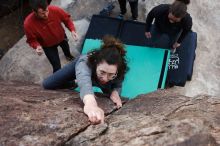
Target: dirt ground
11	29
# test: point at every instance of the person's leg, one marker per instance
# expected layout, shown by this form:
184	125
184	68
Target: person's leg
66	49
53	57
134	9
173	39
163	41
174	36
158	39
63	78
122	4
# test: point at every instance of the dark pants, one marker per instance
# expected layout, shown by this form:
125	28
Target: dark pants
53	56
162	40
133	5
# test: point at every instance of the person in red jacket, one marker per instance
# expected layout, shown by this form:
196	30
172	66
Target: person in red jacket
44	31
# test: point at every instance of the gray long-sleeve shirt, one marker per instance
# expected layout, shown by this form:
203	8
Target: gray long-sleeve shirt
85	80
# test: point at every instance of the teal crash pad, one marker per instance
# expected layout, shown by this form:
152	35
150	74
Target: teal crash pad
147	68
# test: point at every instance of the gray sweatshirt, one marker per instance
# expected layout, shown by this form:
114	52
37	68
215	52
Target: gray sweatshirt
85	81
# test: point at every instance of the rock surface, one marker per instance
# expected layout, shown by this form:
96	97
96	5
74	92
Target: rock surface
32	116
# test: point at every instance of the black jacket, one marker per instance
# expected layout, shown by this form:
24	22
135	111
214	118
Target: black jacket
160	14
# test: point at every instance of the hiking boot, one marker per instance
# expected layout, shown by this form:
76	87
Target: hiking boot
70	58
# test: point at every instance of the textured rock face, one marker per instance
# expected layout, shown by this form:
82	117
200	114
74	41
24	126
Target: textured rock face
32	116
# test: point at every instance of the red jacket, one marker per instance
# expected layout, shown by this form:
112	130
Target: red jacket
47	33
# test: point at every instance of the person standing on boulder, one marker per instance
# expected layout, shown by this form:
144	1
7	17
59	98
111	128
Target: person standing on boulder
134	8
44	31
171	24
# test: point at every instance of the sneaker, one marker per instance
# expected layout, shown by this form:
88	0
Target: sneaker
134	19
70	58
120	16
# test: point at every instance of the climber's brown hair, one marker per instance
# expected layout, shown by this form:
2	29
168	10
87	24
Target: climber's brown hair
112	52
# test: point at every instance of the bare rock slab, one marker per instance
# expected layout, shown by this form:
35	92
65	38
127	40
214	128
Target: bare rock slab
32	116
161	118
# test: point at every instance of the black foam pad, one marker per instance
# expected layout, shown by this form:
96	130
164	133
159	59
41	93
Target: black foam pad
132	33
191	39
181	62
101	26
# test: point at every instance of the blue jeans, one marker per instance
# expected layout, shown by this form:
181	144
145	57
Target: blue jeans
63	78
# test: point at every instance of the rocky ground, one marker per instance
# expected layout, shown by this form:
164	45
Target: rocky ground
49	118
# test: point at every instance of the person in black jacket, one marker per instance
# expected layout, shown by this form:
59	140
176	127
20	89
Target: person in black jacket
171	24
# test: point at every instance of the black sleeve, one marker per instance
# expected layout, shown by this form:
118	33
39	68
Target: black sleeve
154	13
150	17
186	27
